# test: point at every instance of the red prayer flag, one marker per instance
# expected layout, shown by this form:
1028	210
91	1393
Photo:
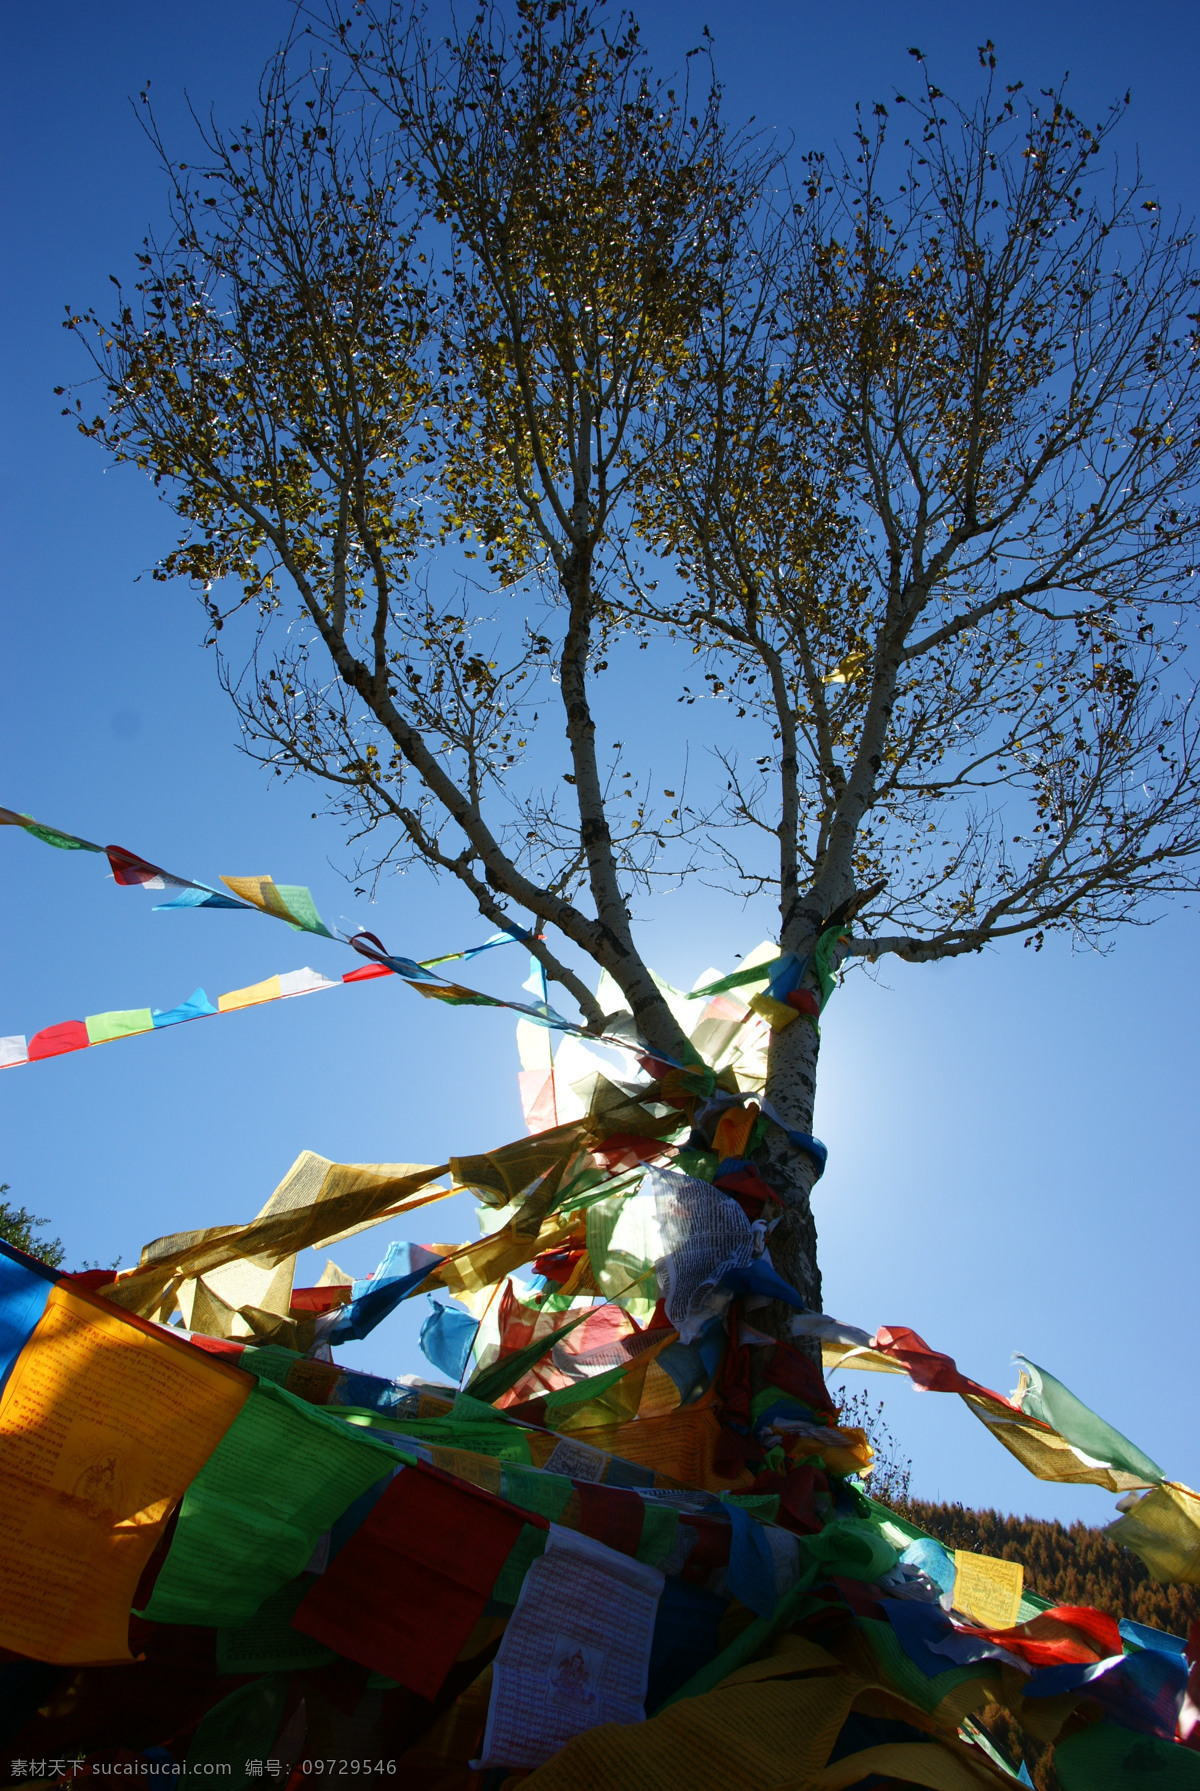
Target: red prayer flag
795	1374
798	1498
557	1265
215	1346
366	972
128	868
928	1368
92	1279
1065	1635
710	1547
320	1299
68	1035
612	1514
625	1150
748	1183
410	1585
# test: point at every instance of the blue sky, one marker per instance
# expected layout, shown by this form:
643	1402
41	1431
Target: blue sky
1012	1140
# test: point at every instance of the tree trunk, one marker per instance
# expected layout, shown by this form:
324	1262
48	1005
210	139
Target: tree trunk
789	1171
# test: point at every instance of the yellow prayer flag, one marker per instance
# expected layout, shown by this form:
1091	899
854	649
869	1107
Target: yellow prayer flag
1043	1450
316	1203
748	1733
777	1014
489	1259
250	997
1164	1530
987	1589
262	892
103	1425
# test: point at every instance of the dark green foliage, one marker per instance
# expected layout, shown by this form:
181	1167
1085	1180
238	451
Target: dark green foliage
17	1227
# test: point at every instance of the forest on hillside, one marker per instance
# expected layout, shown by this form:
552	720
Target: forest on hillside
1068	1564
1071	1564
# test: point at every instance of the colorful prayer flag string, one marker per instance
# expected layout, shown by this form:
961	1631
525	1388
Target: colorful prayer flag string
121	1023
124	1023
292	903
289	902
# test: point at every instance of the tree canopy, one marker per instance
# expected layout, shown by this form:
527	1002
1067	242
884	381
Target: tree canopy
474	365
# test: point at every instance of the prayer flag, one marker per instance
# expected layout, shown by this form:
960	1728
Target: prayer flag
446	1339
285	901
1043	1397
120	1025
53	1041
409	1586
251	1517
1164	1530
988	1589
103	1424
576	1651
25	1286
196	1007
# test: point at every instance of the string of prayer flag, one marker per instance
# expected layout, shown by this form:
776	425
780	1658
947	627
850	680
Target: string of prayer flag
290	902
103	1029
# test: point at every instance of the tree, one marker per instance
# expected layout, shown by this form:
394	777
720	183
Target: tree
936	522
904	458
18	1226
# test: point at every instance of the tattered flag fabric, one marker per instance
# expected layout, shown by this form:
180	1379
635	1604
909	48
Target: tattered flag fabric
576	1651
639	1504
405	1592
105	1425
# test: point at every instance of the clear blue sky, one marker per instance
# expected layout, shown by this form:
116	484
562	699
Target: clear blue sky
1013	1140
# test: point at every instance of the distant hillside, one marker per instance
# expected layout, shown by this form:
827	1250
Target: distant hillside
1072	1565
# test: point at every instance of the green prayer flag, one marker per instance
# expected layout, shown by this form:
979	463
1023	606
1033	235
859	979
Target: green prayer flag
764	1506
853	1548
237	1734
659	1524
524	1552
119	1025
270	1362
546	1495
1103	1757
49	836
249	1521
737	979
467	1409
1055	1405
826	945
904	1676
268	1643
303	910
501	1440
580	1392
